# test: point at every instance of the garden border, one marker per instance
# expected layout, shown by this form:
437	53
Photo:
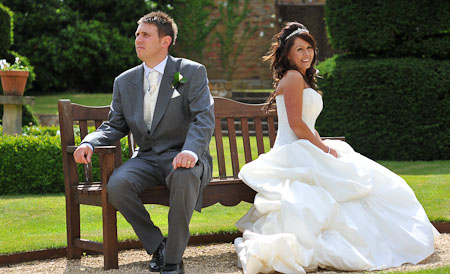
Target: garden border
53	253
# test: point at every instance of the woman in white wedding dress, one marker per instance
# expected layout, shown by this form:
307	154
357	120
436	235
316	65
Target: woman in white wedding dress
320	203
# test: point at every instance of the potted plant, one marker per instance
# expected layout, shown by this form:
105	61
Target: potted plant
14	77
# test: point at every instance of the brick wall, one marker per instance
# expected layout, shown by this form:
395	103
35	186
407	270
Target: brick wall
268	16
250	66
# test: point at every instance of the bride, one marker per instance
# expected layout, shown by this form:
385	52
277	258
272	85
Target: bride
320	203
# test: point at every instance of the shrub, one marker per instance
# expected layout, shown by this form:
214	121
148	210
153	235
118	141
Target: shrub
388	108
32	163
6	25
81	46
391	28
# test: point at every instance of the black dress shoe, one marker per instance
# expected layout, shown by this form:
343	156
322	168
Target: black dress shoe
173	269
157	261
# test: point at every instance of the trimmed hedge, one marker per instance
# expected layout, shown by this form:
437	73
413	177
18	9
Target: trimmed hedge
388	108
6	25
33	164
30	164
390	28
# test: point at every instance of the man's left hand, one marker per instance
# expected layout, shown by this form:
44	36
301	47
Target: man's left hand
183	159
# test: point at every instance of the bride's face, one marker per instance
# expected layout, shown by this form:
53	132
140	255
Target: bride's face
301	55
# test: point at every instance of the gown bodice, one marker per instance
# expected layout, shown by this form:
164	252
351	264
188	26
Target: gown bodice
311	107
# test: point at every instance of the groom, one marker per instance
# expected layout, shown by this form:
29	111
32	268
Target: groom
166	104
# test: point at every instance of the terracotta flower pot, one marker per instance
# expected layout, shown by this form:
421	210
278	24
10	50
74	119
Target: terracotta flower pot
14	82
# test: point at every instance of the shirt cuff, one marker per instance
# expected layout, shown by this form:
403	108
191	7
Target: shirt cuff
192	153
87	145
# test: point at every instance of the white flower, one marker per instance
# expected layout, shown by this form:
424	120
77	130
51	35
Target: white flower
3	64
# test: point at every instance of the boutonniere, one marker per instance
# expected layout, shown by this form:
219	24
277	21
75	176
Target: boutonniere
178	79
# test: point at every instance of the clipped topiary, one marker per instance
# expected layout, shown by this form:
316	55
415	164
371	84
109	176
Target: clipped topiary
388	108
390	28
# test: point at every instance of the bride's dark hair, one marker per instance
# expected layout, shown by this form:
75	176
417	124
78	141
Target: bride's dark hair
278	57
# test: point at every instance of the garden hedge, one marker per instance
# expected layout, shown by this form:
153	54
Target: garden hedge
32	163
391	28
388	108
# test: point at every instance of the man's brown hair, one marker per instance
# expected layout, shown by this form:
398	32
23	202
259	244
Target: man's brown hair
165	24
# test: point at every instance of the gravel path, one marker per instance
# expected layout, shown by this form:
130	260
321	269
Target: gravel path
214	258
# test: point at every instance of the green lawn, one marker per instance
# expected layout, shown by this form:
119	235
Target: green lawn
48	104
32	222
439	270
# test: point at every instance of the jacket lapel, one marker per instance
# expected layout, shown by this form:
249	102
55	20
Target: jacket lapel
136	97
165	92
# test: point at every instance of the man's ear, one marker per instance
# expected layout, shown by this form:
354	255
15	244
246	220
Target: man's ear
166	41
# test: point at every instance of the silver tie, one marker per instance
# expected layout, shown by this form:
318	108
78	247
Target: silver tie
150	96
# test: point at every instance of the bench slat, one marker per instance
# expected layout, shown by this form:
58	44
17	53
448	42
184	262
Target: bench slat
259	135
219	149
272	131
233	146
246	140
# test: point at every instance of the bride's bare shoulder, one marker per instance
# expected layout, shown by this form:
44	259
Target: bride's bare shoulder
292	79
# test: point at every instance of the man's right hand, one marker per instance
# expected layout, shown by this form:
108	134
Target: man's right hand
83	154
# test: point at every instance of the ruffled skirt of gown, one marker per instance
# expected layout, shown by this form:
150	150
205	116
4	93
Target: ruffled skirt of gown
313	210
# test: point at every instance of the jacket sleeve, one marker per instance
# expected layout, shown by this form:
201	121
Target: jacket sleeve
201	107
114	128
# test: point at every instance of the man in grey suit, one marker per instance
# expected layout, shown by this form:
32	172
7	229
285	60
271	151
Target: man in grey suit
166	104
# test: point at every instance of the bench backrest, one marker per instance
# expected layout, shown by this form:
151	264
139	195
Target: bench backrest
244	125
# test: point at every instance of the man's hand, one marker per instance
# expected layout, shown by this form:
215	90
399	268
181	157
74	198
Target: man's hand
83	154
183	159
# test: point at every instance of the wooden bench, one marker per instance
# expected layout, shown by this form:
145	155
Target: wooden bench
235	121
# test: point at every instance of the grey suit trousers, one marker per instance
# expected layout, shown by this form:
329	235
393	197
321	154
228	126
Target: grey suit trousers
143	172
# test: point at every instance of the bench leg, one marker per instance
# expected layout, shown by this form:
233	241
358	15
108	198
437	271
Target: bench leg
73	229
110	244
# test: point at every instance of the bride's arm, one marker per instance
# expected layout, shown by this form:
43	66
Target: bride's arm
332	151
293	86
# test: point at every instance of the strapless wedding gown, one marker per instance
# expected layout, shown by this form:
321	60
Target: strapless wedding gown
314	210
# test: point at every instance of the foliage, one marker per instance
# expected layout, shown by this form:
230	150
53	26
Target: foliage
390	28
194	25
388	108
30	164
82	45
6	29
234	37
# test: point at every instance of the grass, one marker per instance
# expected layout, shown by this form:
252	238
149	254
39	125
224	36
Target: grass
33	222
48	104
439	270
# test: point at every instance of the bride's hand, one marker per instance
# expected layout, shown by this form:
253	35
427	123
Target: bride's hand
333	152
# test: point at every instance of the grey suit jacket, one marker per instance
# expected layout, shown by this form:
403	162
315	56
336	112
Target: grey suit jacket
181	123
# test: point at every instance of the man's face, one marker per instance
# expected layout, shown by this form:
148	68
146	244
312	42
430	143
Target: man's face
148	44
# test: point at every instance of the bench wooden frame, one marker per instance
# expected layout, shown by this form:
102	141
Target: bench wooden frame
232	119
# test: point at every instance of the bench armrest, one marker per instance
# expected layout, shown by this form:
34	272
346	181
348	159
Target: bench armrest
98	149
342	138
